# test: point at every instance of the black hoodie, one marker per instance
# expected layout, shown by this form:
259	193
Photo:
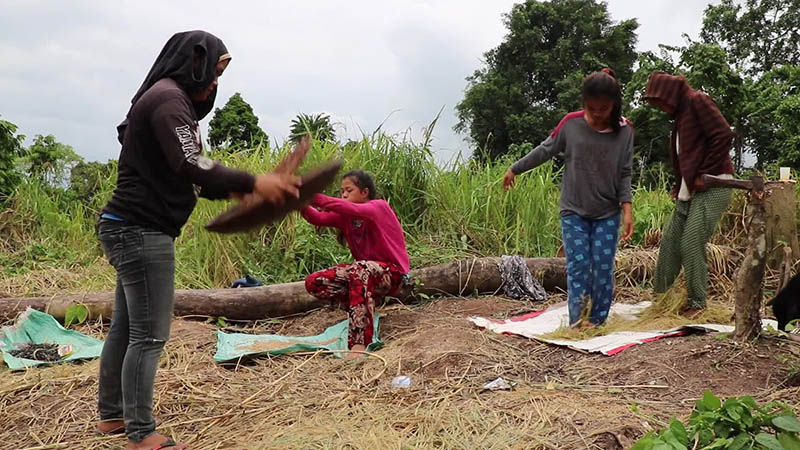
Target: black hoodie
161	166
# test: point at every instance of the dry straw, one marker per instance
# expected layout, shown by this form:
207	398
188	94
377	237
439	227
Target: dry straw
563	399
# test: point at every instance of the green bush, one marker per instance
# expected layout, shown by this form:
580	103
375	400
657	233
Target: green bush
738	423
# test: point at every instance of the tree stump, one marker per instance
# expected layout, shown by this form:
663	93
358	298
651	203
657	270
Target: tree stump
781	217
750	279
750	276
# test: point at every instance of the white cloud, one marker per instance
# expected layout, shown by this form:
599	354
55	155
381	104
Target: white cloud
70	68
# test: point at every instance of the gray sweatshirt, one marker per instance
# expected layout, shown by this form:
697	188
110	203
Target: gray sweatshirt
597	166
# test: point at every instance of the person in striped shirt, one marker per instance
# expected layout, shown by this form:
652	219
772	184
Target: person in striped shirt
700	144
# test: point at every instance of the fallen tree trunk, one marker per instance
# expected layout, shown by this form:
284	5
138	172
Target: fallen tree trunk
464	277
458	278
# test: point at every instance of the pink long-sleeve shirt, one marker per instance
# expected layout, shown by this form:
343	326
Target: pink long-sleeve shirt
371	229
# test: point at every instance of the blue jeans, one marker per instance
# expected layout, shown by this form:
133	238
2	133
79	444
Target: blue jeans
145	264
590	246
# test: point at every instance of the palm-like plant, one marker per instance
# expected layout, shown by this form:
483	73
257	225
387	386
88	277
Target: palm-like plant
318	126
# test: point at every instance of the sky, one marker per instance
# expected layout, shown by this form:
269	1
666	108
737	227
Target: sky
70	68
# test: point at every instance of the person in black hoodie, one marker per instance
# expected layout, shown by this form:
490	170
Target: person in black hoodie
162	171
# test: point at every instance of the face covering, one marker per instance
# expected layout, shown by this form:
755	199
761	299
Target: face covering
190	58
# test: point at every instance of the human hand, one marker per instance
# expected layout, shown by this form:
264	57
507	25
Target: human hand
274	187
627	221
508	180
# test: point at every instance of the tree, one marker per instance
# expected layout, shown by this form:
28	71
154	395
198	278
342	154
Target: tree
758	36
771	128
533	77
762	38
50	161
706	68
86	179
10	151
789	113
235	125
781	94
317	125
651	139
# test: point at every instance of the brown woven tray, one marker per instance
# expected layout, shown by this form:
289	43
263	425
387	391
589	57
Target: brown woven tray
242	218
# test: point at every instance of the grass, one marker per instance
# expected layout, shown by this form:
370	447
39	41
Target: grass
447	212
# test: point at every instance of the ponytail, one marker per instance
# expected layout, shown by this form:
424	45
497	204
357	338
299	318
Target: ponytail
609	71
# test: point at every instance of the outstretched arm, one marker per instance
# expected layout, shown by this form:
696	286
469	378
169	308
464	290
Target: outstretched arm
322	218
368	210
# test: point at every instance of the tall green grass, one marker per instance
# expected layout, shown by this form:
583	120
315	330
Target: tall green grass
447	212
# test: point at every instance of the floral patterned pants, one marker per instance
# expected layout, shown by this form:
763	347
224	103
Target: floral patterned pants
356	286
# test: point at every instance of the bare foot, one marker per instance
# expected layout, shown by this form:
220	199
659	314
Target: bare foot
155	442
692	313
114	426
583	325
355	352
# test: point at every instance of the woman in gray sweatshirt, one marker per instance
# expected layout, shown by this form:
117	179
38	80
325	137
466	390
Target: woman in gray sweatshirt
596	144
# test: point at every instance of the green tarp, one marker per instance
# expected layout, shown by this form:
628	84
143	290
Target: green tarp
40	328
232	346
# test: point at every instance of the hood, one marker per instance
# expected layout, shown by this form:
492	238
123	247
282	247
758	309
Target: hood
669	89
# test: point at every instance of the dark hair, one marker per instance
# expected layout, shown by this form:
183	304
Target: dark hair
363	180
604	84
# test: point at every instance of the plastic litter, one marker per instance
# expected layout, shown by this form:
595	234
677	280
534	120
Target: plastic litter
401	382
500	384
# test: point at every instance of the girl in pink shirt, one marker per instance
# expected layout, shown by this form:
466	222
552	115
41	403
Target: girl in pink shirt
372	231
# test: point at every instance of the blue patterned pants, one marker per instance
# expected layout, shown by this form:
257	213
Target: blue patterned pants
590	246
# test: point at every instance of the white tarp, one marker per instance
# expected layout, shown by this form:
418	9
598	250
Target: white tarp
534	325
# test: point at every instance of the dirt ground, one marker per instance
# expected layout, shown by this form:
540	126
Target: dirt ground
562	400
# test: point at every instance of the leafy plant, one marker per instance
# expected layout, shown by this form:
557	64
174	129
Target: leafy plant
737	423
318	126
235	126
10	150
50	161
76	314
